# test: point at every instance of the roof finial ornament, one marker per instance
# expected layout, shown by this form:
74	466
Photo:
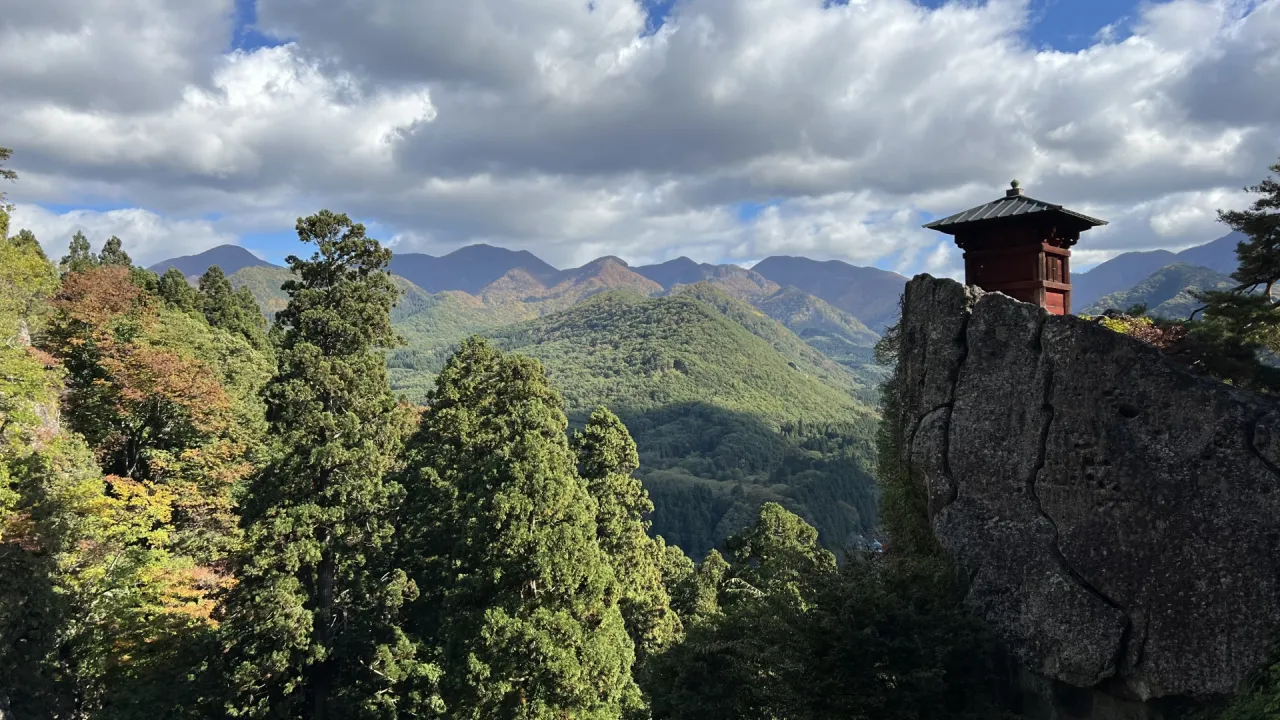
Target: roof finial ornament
1015	189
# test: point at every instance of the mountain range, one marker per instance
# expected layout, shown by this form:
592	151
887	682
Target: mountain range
863	297
1124	271
1166	293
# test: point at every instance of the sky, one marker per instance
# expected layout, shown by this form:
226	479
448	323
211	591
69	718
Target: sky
646	129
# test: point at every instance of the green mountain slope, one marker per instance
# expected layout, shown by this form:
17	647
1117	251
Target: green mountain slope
867	293
264	282
829	330
729	409
697	346
1166	293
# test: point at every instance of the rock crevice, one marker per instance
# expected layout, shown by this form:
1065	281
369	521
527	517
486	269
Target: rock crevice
1117	513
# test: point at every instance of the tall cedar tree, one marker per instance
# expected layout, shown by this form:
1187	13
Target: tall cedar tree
312	625
1241	324
230	310
500	533
607	457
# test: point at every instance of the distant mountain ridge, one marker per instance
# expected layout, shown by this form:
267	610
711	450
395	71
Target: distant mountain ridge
1122	272
231	258
469	269
870	295
1166	293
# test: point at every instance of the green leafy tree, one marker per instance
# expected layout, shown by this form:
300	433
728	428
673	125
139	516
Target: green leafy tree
904	503
780	554
1239	331
501	533
312	627
113	254
234	311
26	280
795	637
79	256
174	289
1259	699
742	658
607	457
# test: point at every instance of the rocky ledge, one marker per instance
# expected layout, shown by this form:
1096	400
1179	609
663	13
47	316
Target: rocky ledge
1118	514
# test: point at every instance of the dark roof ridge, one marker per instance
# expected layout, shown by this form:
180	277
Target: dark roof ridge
1008	206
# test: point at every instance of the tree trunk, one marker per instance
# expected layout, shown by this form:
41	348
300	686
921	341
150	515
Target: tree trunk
321	673
322	627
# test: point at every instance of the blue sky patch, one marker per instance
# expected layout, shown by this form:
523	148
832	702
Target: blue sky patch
1070	25
274	247
245	36
748	211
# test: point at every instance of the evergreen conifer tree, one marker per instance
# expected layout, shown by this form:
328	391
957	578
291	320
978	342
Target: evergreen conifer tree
607	457
231	310
501	534
113	254
177	292
1242	324
312	625
5	208
79	257
217	297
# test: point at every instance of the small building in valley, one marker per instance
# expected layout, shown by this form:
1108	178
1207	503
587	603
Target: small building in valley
1019	246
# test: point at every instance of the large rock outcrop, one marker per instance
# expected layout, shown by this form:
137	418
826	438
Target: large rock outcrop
1119	515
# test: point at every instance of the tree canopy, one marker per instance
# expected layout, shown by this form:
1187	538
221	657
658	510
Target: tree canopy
311	626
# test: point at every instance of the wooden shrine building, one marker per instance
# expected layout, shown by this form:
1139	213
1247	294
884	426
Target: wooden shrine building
1019	246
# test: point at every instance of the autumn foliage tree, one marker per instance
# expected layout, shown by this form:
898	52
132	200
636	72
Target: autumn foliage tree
101	607
127	397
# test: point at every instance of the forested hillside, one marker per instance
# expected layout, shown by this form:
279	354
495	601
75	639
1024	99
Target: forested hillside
729	406
480	288
1169	292
729	409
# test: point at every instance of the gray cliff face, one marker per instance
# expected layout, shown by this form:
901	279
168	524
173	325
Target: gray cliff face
1119	515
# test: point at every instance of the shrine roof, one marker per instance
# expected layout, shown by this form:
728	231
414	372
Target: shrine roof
1013	205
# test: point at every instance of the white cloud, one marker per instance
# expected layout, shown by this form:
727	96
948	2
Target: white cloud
540	125
945	261
151	238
